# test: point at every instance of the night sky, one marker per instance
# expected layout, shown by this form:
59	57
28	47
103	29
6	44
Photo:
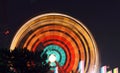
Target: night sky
102	18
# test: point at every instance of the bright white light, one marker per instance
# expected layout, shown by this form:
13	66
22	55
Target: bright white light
52	58
56	70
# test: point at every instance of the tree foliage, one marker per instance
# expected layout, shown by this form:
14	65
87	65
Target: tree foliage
22	61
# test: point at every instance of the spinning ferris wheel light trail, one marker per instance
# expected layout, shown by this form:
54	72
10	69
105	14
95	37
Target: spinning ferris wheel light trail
61	37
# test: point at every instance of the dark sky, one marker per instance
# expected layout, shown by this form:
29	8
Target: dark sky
102	17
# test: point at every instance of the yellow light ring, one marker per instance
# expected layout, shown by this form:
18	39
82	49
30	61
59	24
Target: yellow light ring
92	55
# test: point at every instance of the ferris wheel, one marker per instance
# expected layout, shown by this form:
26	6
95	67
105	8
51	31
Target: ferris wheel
65	41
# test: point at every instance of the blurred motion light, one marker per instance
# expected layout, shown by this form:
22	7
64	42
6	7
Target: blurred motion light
52	58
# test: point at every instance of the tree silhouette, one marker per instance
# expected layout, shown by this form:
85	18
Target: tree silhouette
22	61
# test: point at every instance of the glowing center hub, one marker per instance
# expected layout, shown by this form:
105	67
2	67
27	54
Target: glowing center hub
52	58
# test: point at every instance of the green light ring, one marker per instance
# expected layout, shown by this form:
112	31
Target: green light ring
62	45
57	51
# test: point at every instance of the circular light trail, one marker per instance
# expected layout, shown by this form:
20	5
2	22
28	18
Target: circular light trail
54	54
61	37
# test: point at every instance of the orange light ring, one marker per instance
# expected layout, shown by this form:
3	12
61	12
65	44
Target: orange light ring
92	56
56	29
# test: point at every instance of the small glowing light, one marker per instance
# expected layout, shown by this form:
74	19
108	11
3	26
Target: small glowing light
115	70
104	69
56	70
52	58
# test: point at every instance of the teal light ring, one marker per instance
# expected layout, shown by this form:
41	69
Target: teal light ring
57	51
